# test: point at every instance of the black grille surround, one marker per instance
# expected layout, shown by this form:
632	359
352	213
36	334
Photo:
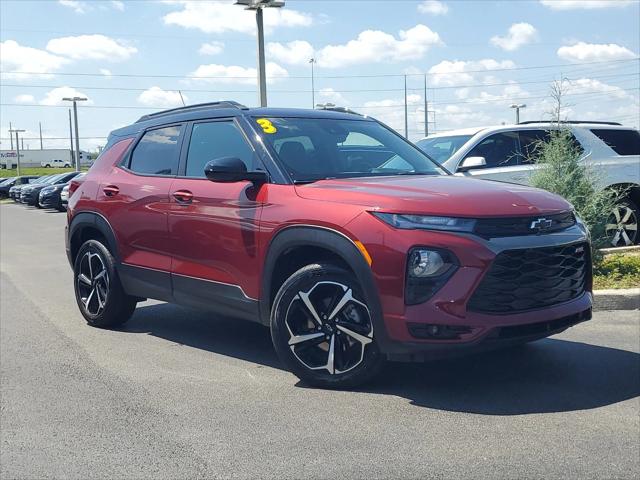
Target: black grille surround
516	226
532	278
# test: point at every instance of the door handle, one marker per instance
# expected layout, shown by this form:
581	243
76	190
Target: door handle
111	190
183	196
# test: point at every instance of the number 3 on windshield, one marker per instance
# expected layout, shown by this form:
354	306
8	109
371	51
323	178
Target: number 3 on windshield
267	126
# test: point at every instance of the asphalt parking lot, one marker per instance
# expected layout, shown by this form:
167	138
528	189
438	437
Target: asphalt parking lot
179	394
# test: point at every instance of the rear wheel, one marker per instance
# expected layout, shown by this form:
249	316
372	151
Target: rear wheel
322	329
622	226
98	290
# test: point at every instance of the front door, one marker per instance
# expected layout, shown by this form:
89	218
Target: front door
502	156
213	226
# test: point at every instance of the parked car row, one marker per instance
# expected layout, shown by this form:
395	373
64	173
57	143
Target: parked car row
40	192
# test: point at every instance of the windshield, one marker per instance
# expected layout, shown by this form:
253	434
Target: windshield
441	148
7	181
312	149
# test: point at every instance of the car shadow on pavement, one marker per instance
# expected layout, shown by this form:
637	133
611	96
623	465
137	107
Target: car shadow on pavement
550	375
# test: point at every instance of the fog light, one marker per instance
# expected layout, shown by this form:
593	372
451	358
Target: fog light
425	263
428	269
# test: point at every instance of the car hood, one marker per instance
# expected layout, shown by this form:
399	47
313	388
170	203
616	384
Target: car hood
437	195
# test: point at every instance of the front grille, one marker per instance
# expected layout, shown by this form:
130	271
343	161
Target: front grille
532	278
515	226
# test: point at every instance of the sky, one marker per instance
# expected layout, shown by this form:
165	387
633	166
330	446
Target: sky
130	58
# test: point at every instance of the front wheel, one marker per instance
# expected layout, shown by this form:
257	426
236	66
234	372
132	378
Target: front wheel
98	290
322	328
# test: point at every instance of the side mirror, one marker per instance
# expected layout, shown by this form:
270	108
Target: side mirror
470	163
231	169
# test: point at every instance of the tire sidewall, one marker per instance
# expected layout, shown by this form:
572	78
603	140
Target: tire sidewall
303	280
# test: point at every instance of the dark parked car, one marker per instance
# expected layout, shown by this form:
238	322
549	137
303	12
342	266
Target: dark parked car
329	227
51	195
6	184
31	194
14	192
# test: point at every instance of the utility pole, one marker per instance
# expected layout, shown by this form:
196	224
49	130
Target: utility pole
313	88
11	136
71	138
40	127
426	108
75	101
517	108
16	131
406	111
259	6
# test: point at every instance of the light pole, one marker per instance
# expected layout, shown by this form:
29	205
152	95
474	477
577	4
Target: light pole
517	106
312	61
16	131
75	101
259	6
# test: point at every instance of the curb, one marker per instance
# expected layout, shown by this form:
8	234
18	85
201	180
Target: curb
622	299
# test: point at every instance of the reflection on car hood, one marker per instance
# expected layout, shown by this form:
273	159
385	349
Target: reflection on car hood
436	195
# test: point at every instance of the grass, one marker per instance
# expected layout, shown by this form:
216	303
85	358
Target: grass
617	271
4	173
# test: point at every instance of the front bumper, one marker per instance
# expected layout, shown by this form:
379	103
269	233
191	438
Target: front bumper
49	200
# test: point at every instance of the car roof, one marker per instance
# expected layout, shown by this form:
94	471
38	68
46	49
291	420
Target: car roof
229	109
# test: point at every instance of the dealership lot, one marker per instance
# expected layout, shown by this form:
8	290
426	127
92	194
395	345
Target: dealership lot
178	393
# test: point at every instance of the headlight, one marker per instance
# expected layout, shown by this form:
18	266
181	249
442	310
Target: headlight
427	222
428	269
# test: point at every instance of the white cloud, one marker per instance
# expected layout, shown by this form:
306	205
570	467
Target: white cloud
211	48
106	72
589	85
25	98
220	17
91	47
329	95
233	74
55	96
297	52
76	6
433	7
157	97
594	52
584	5
118	5
18	58
458	72
374	46
519	34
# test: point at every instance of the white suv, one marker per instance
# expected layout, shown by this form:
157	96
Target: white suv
55	163
502	153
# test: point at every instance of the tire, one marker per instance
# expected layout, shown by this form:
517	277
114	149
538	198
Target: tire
345	331
99	294
622	227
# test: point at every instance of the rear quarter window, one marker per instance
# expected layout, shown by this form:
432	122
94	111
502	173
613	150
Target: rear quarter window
623	142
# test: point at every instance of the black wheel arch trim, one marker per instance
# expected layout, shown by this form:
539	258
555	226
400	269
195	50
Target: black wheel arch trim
94	220
339	244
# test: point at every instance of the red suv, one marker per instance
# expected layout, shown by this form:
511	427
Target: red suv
327	226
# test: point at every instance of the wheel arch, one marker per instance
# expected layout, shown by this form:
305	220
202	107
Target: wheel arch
307	244
91	226
632	191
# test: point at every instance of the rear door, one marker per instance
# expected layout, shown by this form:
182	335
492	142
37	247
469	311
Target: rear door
135	199
213	227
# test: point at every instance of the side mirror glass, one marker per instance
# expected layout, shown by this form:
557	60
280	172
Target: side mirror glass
231	169
470	163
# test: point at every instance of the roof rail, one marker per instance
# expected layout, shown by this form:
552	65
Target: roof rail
191	108
570	122
333	108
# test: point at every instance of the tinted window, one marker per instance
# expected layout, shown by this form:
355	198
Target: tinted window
157	152
441	148
499	150
215	140
312	149
530	141
623	142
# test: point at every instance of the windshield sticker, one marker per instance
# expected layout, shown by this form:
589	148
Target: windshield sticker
267	126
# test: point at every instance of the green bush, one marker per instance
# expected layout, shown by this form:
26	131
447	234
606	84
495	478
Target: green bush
617	271
560	171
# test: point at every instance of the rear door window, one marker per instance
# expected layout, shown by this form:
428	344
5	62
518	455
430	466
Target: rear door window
623	142
498	150
157	152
